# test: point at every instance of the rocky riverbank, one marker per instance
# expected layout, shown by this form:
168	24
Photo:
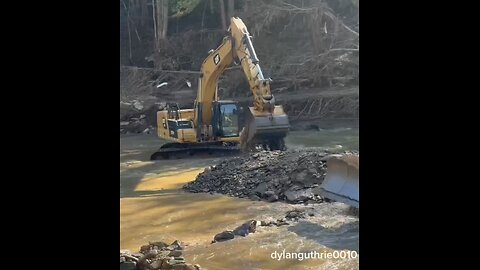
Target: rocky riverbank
293	176
156	255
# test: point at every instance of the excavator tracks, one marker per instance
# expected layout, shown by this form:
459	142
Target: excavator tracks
181	150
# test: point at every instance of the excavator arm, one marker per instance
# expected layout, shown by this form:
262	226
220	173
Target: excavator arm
245	53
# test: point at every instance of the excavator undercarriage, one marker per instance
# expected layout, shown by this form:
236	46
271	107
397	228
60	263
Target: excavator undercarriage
186	150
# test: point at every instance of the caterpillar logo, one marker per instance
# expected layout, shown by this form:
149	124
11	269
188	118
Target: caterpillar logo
216	59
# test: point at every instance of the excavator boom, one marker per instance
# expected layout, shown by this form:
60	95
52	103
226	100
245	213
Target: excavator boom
267	124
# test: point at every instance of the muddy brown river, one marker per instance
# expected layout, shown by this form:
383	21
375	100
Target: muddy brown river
154	208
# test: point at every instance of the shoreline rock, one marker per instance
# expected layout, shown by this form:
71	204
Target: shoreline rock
291	176
156	255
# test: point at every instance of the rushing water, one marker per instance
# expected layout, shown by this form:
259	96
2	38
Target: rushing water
154	208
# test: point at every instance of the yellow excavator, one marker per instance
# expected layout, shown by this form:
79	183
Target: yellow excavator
213	125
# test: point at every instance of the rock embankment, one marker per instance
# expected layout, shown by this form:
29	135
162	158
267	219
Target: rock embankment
156	256
293	176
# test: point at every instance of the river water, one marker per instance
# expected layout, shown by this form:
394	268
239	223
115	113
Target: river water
154	208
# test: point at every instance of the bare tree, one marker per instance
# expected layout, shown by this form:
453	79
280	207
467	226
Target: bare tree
127	10
154	23
165	19
246	6
160	20
222	13
231	8
211	6
143	12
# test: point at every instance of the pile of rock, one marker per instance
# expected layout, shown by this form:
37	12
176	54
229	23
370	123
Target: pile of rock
242	230
139	116
251	225
136	125
156	256
293	176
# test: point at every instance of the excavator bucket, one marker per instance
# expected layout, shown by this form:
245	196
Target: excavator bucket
268	130
341	182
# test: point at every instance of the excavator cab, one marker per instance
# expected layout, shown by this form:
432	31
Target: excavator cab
226	119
